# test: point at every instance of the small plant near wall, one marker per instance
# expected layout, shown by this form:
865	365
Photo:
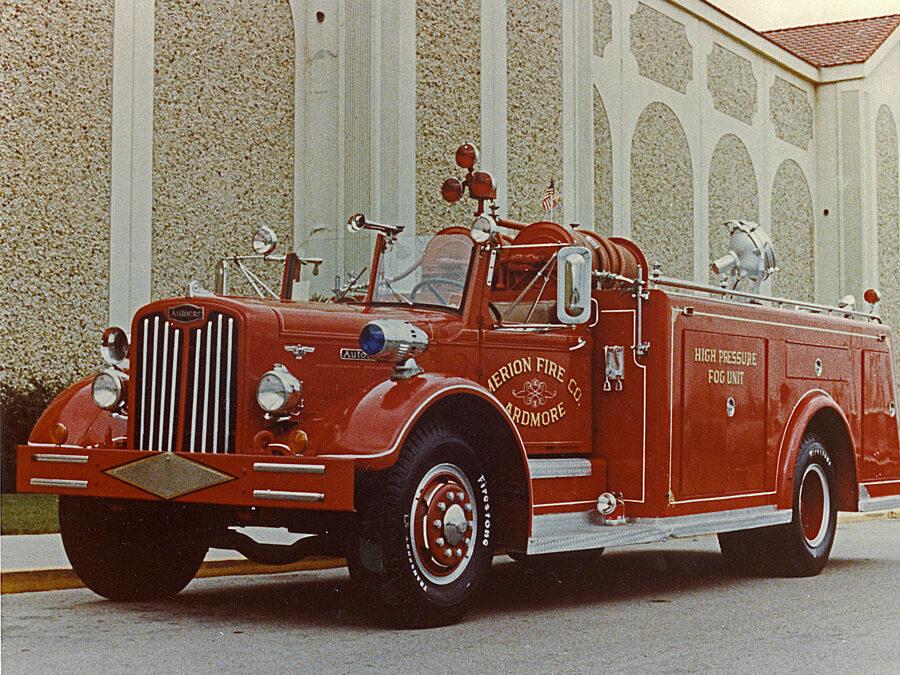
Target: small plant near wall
20	408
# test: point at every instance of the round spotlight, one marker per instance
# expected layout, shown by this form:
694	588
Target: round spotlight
114	346
265	240
484	229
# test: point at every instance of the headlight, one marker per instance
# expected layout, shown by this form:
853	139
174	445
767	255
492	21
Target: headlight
114	346
278	390
108	389
392	340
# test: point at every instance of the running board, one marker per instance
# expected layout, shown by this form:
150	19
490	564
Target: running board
558	532
867	503
564	467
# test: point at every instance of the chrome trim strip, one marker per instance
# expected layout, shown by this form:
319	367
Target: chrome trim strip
144	382
274	467
197	337
228	385
215	433
175	374
584	530
58	482
152	421
867	504
64	459
280	495
206	385
569	467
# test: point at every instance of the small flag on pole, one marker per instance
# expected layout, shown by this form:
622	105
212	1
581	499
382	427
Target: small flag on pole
550	200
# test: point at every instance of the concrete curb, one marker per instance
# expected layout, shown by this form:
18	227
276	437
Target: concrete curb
30	581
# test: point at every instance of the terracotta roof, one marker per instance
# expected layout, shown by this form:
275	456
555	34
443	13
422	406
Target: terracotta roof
836	44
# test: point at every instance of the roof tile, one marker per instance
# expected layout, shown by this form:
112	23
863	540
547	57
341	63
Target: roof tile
836	44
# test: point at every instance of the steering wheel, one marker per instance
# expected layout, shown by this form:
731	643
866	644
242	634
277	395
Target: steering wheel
430	283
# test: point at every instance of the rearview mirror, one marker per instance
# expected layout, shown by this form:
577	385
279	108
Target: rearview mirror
573	285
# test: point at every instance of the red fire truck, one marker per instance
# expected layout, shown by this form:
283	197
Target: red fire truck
534	389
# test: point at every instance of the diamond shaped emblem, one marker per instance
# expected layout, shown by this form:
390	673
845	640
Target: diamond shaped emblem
168	475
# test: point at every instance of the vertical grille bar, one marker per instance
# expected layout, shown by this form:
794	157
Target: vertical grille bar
195	393
230	351
215	434
206	386
162	388
174	388
138	419
152	420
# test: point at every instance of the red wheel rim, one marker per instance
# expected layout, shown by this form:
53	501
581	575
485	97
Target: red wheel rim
443	523
815	505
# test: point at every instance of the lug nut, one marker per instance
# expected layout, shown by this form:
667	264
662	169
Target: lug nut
468	507
460	496
451	496
437	522
459	553
439	541
442	506
448	552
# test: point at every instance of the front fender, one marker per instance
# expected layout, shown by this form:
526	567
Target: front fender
374	426
806	408
85	422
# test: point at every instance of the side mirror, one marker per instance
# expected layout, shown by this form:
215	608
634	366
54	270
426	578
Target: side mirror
573	285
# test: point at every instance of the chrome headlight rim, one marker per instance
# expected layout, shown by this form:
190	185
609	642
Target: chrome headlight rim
114	345
112	394
278	390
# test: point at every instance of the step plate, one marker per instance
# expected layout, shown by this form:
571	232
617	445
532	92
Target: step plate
556	533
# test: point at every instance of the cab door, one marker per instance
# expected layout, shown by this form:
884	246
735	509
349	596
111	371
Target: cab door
538	367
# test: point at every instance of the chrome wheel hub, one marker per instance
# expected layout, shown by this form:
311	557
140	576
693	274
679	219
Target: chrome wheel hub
443	520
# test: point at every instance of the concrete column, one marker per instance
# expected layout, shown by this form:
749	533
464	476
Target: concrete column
494	157
131	199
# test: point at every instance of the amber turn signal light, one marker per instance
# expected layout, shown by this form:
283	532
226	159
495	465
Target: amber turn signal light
467	156
59	434
297	441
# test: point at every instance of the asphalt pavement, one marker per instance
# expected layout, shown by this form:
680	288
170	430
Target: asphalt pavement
664	608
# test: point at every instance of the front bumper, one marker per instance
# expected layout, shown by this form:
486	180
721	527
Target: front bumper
234	480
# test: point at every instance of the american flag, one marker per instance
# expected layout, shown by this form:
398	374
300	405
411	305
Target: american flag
550	200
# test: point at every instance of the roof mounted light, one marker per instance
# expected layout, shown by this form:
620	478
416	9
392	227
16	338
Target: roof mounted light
750	257
394	340
265	240
114	347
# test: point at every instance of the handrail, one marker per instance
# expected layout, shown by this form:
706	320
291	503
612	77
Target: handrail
704	288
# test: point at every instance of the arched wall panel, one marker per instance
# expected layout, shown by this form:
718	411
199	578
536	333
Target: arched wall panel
792	233
662	191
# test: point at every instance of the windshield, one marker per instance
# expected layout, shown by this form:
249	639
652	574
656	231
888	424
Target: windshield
435	276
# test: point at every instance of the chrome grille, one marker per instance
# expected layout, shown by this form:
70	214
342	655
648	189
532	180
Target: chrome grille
185	394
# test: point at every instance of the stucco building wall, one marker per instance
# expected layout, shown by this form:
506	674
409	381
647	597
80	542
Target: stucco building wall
55	108
534	33
223	144
447	101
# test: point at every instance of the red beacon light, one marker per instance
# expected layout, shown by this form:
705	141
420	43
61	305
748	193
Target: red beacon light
872	296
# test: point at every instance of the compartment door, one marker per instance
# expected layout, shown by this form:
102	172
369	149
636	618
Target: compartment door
723	415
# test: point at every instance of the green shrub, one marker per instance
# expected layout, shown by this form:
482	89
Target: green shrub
19	410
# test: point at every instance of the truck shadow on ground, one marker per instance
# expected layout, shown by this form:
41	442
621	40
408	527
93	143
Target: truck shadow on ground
327	599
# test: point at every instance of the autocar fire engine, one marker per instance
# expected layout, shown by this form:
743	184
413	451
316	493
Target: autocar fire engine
531	388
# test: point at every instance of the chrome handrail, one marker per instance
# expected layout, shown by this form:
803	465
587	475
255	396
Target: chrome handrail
780	302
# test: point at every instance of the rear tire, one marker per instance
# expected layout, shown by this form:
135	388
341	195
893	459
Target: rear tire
801	547
129	551
423	541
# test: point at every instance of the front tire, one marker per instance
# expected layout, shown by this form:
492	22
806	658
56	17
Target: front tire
424	537
130	551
